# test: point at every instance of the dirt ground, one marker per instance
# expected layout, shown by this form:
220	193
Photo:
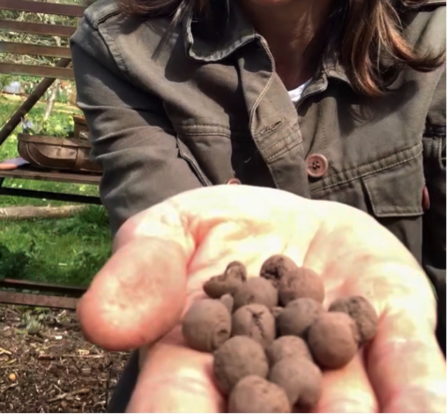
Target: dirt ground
46	366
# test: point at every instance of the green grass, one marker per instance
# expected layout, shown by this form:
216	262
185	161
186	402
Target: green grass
68	251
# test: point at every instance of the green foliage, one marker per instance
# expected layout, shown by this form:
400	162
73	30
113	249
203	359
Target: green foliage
13	263
67	251
60	124
5	80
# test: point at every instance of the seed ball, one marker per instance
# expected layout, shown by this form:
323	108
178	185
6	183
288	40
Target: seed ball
228	301
363	313
333	339
287	347
235	275
303	283
276	267
256	322
256	290
256	395
298	316
237	358
236	269
276	311
300	378
206	325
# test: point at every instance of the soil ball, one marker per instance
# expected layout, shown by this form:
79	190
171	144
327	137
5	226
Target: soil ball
235	275
256	322
333	339
237	358
300	378
206	325
298	316
228	301
303	283
363	313
256	290
256	395
276	267
287	347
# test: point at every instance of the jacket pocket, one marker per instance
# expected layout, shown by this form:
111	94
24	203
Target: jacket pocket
186	155
396	191
214	155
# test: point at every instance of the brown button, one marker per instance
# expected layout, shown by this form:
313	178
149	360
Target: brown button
233	181
425	199
317	165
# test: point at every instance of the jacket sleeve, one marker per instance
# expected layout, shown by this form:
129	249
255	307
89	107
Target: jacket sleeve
131	136
434	253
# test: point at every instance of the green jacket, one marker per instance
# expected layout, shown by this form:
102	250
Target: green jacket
206	110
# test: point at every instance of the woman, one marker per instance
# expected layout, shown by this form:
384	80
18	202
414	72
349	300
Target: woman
332	100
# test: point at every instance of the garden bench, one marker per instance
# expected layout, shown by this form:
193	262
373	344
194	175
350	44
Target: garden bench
20	169
61	70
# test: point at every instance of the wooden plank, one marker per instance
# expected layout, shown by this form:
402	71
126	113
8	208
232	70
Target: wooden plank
40	7
67	198
36	50
74	291
37	28
28	299
30	173
48	71
38	212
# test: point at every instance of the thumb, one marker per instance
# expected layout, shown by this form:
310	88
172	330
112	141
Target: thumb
138	296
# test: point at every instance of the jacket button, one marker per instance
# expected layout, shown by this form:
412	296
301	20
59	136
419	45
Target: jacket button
233	181
425	199
317	165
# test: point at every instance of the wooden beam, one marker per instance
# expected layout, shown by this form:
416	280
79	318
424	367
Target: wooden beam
33	212
28	299
40	7
47	71
36	50
17	284
30	173
37	28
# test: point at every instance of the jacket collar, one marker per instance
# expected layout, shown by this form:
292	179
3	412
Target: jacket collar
203	42
218	35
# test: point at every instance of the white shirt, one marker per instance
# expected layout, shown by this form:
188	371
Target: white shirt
295	94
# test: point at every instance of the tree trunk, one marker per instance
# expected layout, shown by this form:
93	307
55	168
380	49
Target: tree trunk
52	100
56	85
31	212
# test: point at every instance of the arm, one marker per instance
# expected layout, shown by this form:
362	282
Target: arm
434	258
132	137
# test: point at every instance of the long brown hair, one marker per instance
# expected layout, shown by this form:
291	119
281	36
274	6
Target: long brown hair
362	34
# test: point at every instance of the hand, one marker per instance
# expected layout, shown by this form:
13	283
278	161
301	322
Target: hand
163	255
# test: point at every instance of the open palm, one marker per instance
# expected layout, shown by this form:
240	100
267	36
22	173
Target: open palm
163	256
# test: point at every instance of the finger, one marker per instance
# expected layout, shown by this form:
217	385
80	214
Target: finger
405	364
137	297
347	390
176	379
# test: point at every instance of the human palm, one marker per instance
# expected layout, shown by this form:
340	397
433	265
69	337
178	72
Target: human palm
163	256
